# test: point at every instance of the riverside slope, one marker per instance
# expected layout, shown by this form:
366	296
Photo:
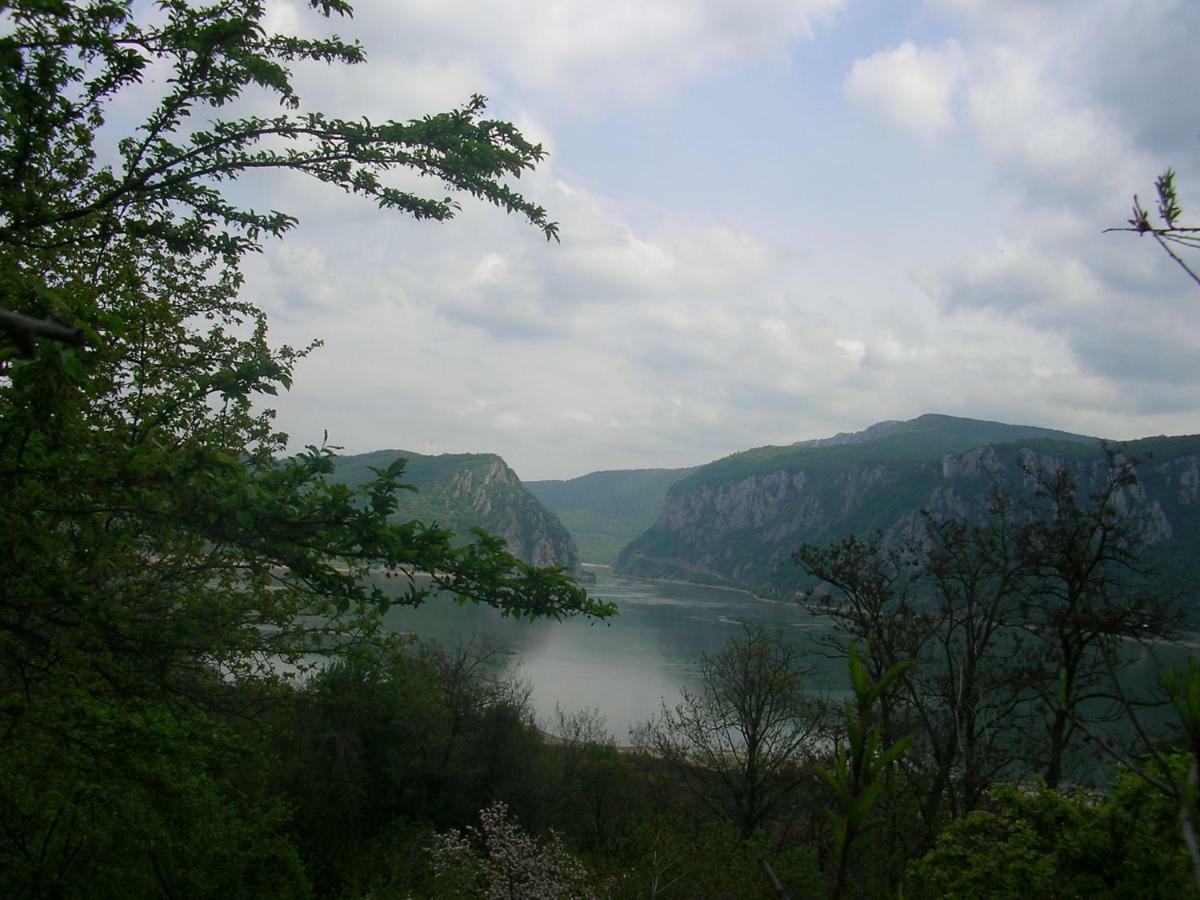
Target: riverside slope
604	511
461	491
737	521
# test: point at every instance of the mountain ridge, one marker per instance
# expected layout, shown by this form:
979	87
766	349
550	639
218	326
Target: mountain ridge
737	520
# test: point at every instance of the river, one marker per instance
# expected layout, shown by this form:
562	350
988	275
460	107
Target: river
628	666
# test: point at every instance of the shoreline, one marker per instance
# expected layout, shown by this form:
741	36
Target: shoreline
680	581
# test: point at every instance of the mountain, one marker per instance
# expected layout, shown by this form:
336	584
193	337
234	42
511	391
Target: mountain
460	491
736	521
604	511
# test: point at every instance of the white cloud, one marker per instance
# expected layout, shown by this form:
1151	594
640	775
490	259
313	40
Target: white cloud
913	87
581	52
662	336
1026	122
854	349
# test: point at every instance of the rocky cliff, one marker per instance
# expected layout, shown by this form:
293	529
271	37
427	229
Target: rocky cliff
737	521
461	491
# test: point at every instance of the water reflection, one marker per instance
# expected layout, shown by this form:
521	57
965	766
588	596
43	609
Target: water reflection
629	666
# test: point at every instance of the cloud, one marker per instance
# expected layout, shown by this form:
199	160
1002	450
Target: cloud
853	348
1070	124
1041	136
914	88
659	335
581	53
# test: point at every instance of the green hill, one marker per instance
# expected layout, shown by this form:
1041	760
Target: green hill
460	491
737	521
604	511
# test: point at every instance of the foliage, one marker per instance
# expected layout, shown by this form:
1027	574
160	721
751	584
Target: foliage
1183	687
595	793
421	735
160	566
1067	844
862	763
678	859
118	807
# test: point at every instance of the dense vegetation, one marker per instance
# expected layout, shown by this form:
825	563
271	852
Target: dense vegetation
162	565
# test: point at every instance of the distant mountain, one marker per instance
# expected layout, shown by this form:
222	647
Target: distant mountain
604	511
737	521
460	491
851	437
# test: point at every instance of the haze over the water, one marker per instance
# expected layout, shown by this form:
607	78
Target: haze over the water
779	221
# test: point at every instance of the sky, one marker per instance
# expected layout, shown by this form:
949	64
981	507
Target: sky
780	219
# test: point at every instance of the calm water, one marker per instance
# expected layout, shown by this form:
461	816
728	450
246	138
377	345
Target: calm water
627	667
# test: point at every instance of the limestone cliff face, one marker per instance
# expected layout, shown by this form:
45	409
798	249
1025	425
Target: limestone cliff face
1182	477
475	486
704	532
495	493
474	490
727	525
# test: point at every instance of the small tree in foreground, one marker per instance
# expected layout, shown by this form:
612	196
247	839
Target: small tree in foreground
500	861
861	763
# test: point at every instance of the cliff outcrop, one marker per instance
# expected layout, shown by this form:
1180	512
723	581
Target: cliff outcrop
461	491
738	521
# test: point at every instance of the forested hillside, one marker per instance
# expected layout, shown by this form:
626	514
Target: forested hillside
737	521
604	511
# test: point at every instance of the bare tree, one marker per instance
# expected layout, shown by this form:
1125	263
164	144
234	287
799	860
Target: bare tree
742	745
871	602
945	600
1085	594
973	687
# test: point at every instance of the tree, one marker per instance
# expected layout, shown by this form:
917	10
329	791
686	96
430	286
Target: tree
871	603
876	600
1017	616
501	861
970	692
594	778
160	563
1084	594
861	763
1182	685
1060	843
742	744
